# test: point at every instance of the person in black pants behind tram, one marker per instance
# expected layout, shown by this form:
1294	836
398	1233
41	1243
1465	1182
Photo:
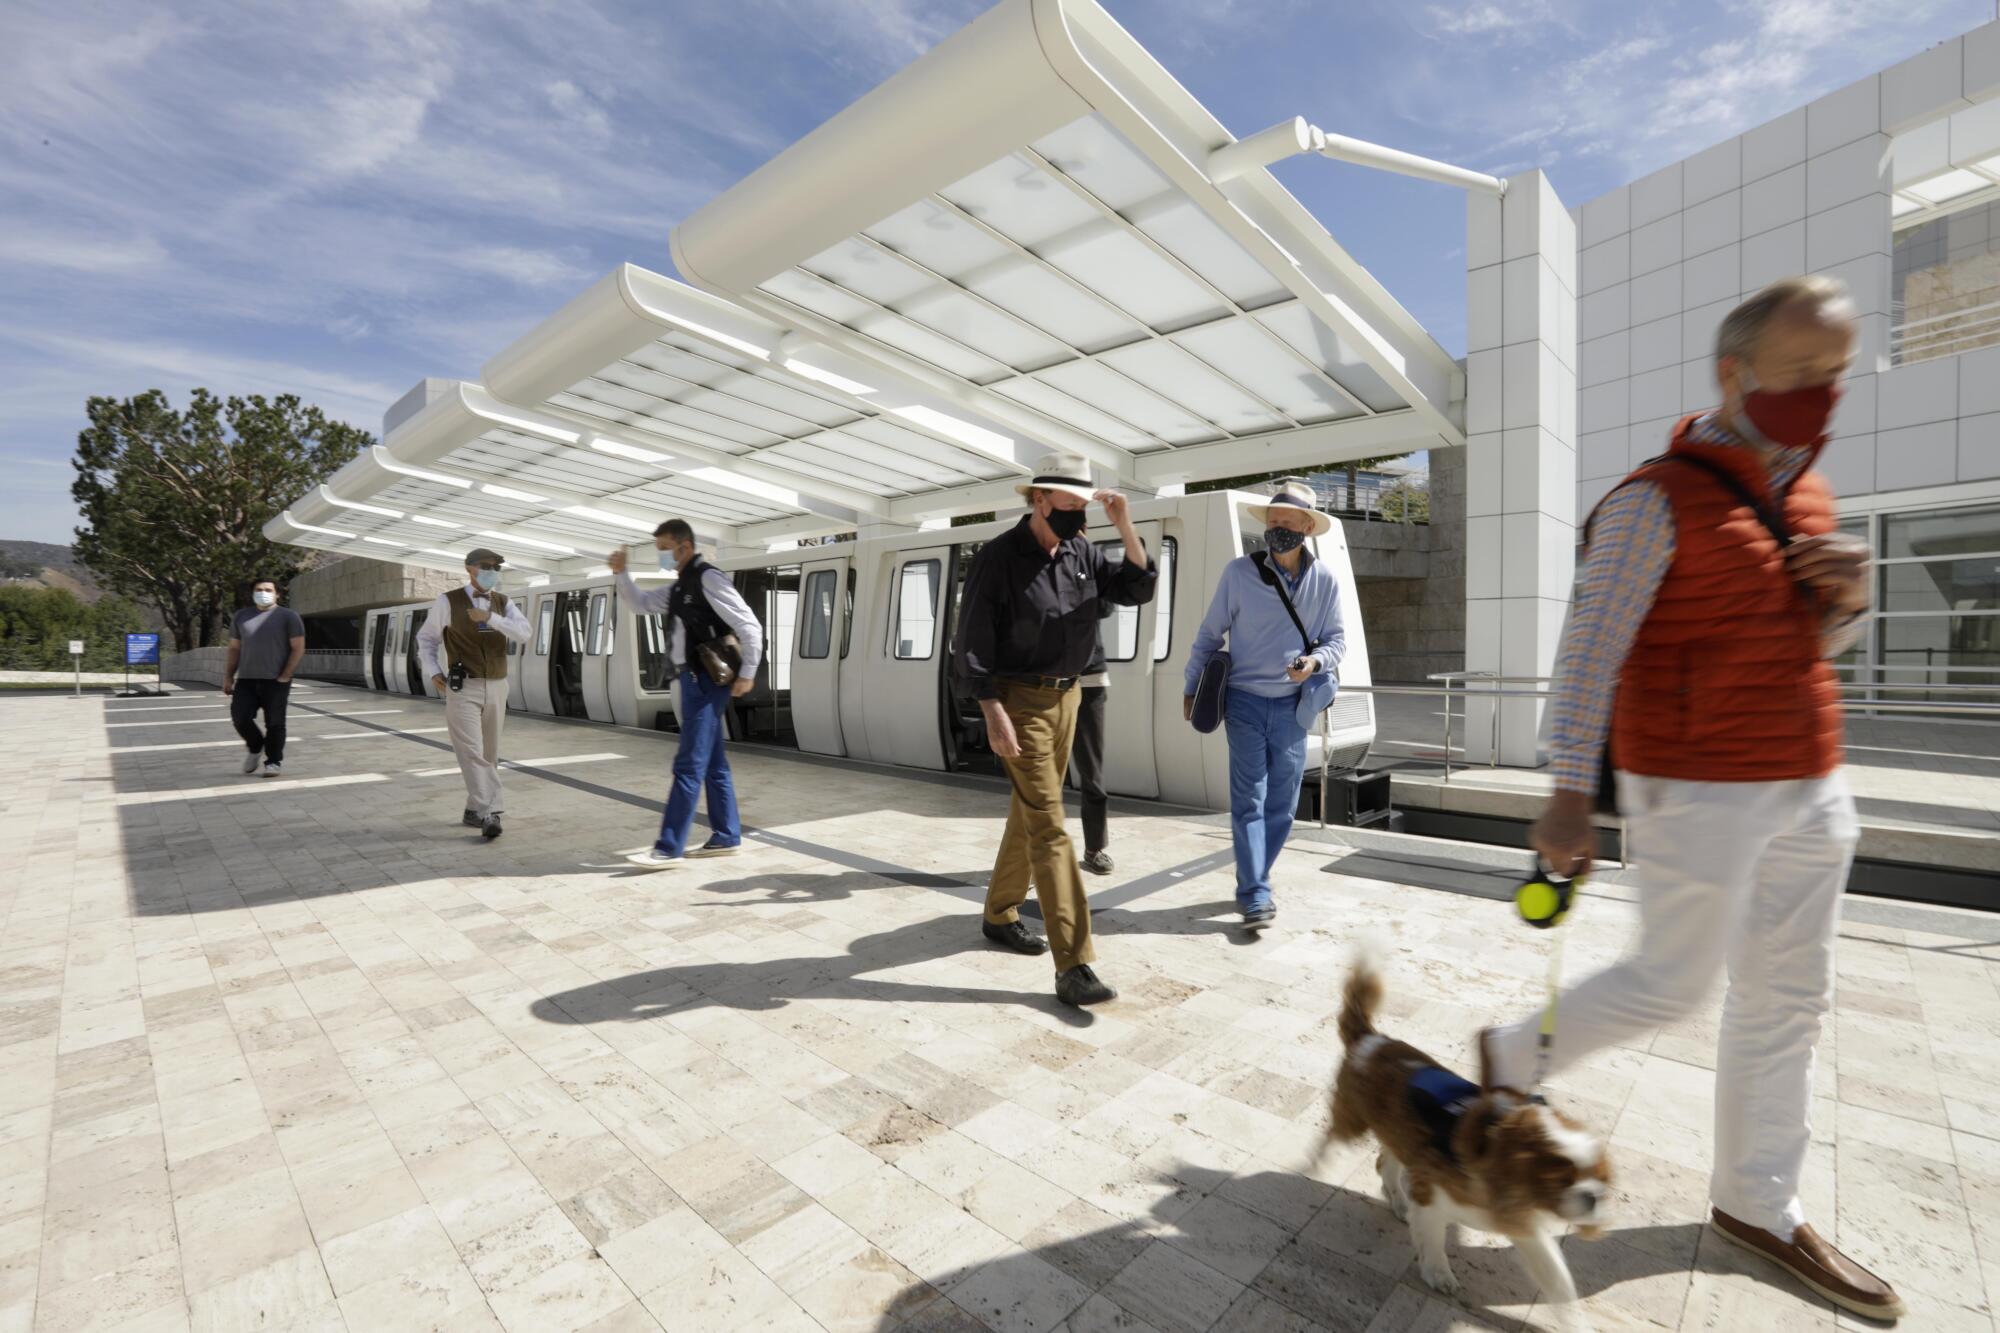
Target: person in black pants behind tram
1086	757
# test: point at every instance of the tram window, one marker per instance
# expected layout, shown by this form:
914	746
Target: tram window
916	610
656	667
1120	629
817	639
1163	599
596	640
847	616
543	627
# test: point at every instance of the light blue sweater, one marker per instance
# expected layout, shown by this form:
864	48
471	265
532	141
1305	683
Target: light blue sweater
1262	639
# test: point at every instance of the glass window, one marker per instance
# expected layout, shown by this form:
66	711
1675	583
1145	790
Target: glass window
1971	584
596	641
656	667
1941	532
916	610
1119	630
847	616
1163	600
544	625
816	636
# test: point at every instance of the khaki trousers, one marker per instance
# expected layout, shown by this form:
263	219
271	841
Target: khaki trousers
1036	847
473	716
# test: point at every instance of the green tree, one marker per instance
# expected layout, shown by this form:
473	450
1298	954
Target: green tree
36	625
174	503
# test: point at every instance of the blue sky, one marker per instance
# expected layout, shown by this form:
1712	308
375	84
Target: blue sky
339	198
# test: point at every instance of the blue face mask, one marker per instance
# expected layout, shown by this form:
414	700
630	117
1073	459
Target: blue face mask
667	562
488	579
1278	541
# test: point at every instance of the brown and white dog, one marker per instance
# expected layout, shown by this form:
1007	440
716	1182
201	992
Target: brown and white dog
1496	1159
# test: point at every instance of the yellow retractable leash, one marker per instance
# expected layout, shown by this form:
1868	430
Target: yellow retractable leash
1543	901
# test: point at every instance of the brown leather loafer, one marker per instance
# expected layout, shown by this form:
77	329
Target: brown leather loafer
1810	1259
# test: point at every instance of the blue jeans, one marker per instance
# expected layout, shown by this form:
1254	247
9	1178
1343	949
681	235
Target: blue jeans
700	763
1267	762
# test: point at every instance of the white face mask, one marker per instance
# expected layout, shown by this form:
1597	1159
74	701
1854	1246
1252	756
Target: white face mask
264	598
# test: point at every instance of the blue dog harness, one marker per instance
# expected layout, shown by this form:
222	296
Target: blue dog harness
1439	1098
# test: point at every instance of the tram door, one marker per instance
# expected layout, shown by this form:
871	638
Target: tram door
418	685
531	669
595	672
902	668
378	645
566	657
1129	634
816	658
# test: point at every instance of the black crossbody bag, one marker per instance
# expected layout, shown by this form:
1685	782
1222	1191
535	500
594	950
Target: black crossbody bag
1606	801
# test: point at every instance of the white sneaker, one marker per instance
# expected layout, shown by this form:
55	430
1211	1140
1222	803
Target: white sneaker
651	859
271	769
251	760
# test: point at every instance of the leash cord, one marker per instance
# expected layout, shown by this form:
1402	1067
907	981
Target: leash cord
1545	1039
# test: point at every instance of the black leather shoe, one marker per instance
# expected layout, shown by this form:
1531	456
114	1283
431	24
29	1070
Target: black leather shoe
1080	986
472	819
1016	936
491	828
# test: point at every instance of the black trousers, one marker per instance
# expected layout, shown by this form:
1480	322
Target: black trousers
1086	758
271	696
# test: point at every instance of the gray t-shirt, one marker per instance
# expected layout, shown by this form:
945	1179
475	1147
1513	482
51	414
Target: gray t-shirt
267	641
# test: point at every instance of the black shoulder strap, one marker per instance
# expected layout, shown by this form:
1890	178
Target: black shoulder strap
1272	577
1772	519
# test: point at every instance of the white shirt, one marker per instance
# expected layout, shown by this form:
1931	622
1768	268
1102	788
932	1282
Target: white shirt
511	623
723	599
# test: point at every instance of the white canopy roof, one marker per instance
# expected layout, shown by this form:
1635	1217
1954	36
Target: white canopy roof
1014	246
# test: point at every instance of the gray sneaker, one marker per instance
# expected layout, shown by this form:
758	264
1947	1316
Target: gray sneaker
471	819
251	759
271	769
1098	862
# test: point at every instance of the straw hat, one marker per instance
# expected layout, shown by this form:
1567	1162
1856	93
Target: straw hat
1294	494
1061	472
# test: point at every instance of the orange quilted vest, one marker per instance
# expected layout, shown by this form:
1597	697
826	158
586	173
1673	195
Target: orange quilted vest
1725	682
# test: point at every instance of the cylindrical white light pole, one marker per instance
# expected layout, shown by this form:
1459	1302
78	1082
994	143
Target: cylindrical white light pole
1344	149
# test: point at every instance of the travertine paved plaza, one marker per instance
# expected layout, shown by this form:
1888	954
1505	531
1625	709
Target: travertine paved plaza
304	1053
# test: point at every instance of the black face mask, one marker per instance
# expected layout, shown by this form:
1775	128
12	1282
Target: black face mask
1280	540
1066	523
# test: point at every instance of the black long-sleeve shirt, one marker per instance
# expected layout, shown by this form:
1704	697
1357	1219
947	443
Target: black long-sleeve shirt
1028	614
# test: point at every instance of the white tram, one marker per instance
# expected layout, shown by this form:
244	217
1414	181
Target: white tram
858	639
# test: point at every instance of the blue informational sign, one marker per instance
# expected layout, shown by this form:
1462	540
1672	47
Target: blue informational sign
142	650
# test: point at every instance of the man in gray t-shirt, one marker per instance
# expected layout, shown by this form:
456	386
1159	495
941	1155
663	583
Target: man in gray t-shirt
266	642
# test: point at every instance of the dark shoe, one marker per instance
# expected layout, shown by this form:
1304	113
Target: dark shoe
1097	863
1016	936
471	819
717	849
1080	986
1260	916
490	829
1810	1259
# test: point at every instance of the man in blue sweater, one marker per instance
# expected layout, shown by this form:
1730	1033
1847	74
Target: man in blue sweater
1271	667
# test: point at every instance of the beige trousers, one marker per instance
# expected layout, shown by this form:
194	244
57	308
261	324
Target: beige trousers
473	716
1036	845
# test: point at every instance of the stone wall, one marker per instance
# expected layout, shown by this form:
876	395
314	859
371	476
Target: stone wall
1412	581
197	666
354	584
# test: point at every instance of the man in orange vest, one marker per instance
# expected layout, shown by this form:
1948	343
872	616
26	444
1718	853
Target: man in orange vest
1714	589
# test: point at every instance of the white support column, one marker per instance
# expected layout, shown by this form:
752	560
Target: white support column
1520	422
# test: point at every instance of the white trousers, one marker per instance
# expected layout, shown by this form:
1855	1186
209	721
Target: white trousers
473	716
1742	875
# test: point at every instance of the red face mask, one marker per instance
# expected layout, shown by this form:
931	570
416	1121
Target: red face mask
1794	418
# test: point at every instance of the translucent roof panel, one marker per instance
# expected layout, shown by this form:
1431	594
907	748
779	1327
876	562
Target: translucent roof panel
1075	279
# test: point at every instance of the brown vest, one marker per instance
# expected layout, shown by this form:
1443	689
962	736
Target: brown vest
484	652
1725	682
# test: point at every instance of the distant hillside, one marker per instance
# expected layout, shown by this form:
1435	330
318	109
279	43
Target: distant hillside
49	565
42	565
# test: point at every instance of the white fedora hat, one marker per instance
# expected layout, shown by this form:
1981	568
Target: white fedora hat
1294	494
1060	472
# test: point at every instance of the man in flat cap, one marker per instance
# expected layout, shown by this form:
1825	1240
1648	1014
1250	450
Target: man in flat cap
472	625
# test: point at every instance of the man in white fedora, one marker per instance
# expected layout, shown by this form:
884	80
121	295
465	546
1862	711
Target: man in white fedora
1279	608
1026	630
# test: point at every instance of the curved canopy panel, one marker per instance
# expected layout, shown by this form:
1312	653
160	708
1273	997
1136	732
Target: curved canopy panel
1030	240
1046	244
